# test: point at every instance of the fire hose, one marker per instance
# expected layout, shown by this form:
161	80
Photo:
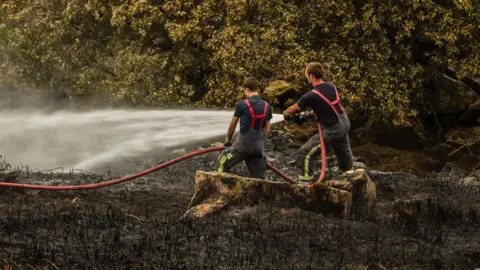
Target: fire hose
164	165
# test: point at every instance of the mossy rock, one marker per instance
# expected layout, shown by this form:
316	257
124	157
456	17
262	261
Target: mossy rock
300	133
278	88
281	93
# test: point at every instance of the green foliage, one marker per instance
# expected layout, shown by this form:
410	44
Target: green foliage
384	57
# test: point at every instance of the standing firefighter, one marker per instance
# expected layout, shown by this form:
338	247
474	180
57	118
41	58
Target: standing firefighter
254	114
325	102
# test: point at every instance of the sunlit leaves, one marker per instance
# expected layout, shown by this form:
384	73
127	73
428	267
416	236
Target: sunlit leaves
383	56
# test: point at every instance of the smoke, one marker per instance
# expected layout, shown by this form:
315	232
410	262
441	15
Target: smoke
88	140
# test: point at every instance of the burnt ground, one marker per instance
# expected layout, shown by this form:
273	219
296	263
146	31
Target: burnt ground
417	224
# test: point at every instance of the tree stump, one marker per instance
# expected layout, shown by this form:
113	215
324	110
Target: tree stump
363	189
215	191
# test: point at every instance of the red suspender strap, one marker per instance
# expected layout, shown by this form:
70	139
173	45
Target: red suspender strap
337	100
252	113
254	117
263	115
332	104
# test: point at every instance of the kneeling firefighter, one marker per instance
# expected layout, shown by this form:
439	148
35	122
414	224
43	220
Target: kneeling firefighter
255	115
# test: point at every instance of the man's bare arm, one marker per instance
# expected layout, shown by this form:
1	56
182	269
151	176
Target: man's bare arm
266	129
231	129
292	109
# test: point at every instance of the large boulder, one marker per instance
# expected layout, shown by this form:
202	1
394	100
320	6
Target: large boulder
215	191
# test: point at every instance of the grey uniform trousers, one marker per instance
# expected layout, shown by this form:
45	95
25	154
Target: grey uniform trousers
248	147
336	138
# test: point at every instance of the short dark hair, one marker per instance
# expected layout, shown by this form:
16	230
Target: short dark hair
315	69
251	83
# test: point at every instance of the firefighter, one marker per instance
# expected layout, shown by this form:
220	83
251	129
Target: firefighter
254	114
323	99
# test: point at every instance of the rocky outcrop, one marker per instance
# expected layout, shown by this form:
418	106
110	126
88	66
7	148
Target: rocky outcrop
215	191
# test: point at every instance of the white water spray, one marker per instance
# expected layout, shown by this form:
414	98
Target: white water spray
90	139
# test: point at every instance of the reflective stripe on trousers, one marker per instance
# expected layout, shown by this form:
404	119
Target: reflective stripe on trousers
248	147
335	137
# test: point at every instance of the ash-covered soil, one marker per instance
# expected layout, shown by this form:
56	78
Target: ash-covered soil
417	224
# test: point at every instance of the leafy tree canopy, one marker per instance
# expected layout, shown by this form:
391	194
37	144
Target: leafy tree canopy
389	59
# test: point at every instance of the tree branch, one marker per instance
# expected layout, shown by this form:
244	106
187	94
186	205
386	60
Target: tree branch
473	83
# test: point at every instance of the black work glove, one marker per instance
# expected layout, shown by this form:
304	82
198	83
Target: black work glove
300	118
227	143
294	118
